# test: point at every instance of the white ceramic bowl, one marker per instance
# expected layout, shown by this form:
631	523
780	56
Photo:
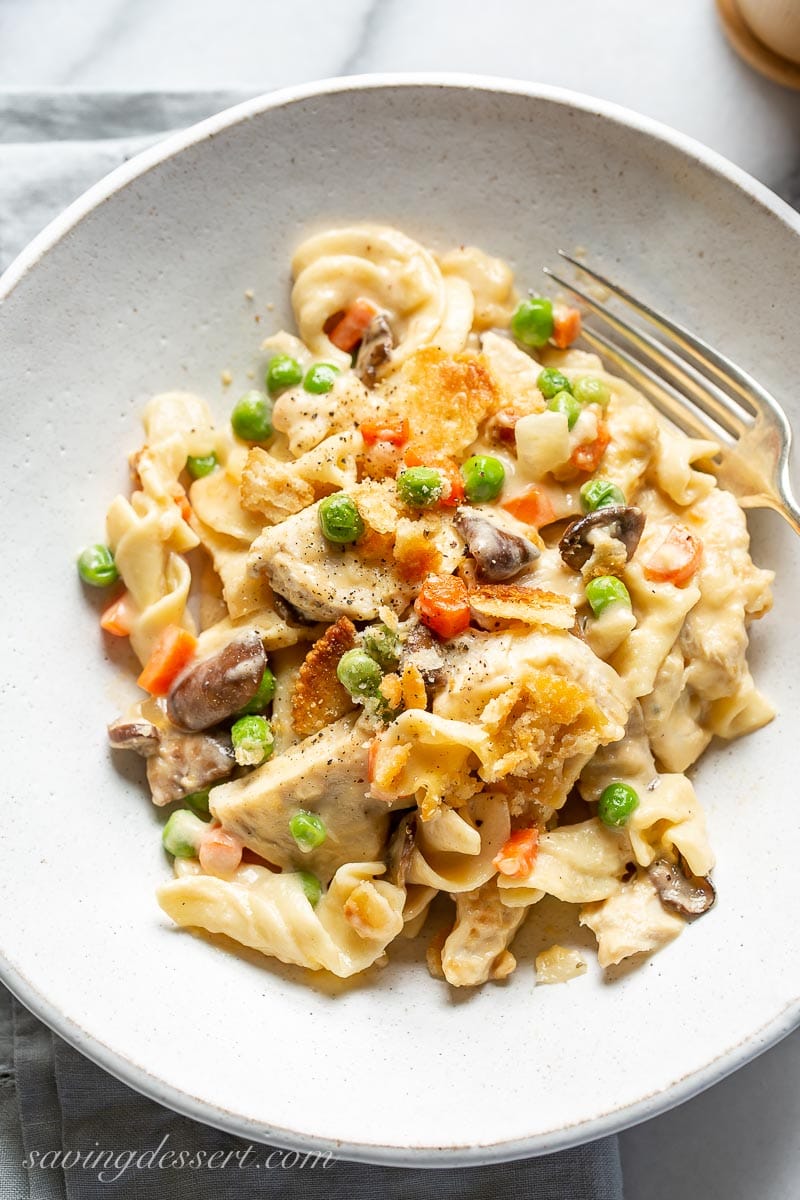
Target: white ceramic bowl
140	287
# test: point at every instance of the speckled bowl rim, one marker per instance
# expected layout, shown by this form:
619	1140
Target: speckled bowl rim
761	1039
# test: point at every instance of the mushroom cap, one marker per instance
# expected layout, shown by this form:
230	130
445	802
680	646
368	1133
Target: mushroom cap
215	688
498	554
688	895
623	522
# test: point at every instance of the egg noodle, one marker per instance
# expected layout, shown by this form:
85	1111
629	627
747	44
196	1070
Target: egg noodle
447	608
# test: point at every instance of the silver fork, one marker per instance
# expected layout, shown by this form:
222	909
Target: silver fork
703	393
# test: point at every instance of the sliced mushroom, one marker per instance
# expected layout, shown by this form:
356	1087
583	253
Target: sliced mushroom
498	554
421	649
401	848
188	762
375	350
687	894
141	736
210	691
622	522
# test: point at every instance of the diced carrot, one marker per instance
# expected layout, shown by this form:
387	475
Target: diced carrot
533	507
173	651
566	327
182	501
518	855
443	605
396	432
116	619
447	466
349	331
220	852
676	559
587	456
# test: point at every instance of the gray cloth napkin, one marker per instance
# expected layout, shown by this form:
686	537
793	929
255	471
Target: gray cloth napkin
56	1107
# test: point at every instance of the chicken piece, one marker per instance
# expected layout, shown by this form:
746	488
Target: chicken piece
324	581
732	592
318	697
477	947
632	921
325	774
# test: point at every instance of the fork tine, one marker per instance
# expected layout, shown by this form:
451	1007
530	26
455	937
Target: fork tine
672	407
706	357
727	412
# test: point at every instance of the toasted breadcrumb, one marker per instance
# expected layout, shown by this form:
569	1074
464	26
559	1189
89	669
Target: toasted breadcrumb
367	911
272	488
540	728
392	691
415	550
318	698
413	687
444	398
498	604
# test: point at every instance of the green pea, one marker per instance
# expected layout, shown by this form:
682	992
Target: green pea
483	477
532	323
198	803
421	487
550	382
182	833
382	644
264	694
616	805
96	566
311	886
308	830
565	402
600	493
283	372
201	465
339	519
252	417
359	674
606	590
591	391
253	741
320	378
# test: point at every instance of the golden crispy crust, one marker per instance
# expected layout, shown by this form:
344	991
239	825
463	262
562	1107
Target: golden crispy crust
318	699
272	488
415	551
367	911
413	687
497	604
444	398
546	724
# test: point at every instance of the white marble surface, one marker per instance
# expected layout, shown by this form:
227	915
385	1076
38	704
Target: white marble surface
741	1139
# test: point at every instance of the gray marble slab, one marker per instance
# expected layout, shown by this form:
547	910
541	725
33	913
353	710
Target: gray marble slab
741	1139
